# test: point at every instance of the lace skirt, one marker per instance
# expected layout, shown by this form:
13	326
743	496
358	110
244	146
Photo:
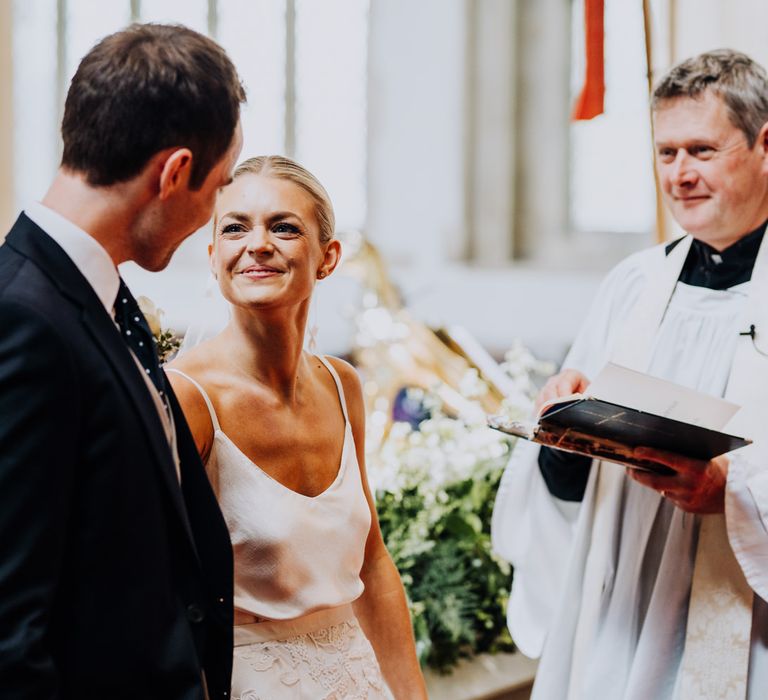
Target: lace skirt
321	656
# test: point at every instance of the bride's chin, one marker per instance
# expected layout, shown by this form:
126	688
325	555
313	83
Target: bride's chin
255	304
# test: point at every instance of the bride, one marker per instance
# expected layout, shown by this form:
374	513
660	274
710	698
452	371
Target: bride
320	611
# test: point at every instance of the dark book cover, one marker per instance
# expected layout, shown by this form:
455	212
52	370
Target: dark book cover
599	424
603	430
634	428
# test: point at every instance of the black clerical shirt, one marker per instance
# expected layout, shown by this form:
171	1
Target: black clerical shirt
566	474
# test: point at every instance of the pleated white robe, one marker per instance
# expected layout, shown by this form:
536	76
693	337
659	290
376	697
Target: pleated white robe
602	593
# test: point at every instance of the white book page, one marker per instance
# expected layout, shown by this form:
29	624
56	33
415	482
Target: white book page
626	387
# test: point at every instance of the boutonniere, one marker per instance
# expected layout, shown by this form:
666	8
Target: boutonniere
166	341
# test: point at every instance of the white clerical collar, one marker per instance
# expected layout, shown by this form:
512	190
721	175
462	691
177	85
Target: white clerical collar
88	255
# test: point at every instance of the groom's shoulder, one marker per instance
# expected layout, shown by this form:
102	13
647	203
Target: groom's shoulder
23	281
28	255
28	297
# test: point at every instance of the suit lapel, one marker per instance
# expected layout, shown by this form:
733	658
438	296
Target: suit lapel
32	242
107	337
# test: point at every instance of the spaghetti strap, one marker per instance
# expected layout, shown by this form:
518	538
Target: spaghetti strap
339	387
203	393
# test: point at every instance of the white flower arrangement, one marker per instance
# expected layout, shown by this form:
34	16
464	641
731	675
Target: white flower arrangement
435	484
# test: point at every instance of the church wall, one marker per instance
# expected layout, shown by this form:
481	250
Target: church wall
708	24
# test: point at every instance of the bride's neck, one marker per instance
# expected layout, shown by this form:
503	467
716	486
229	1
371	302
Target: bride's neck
268	348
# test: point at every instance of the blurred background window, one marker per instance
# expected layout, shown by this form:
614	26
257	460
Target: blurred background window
307	96
441	129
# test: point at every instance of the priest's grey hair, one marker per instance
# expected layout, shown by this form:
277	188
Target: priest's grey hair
740	83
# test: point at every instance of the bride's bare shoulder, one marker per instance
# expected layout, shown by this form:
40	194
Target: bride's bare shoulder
196	365
350	380
347	373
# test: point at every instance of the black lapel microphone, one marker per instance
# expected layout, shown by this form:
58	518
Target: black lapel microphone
750	332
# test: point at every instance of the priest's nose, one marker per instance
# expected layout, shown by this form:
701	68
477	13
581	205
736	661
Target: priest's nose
682	170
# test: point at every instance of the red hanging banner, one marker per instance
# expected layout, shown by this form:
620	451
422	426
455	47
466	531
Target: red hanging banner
590	101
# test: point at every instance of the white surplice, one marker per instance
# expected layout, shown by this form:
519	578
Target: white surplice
604	592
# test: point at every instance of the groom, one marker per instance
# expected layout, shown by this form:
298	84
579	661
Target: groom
115	562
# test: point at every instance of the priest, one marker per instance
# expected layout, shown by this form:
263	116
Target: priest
635	587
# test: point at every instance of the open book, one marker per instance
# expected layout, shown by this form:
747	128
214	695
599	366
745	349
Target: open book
624	409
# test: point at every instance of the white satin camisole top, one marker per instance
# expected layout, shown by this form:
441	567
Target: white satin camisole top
294	554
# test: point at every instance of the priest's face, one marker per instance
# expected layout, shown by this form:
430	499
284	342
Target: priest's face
715	185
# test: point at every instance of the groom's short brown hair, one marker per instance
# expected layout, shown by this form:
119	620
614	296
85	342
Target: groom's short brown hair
144	89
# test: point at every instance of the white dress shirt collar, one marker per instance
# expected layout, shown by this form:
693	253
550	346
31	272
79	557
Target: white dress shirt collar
86	252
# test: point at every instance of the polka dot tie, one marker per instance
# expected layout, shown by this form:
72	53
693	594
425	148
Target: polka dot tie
135	331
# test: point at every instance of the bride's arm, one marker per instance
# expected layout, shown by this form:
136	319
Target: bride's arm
382	608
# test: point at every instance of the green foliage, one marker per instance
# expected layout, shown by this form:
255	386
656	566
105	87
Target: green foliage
457	589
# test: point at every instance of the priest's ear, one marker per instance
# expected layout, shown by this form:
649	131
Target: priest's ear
762	143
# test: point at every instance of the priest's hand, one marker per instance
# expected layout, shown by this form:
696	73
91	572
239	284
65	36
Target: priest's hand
696	487
565	383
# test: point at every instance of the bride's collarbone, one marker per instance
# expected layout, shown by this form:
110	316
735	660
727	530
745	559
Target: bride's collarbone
313	403
301	447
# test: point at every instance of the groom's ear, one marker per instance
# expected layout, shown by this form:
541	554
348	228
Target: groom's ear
175	171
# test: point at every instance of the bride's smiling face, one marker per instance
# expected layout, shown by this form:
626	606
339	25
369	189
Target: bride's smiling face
267	250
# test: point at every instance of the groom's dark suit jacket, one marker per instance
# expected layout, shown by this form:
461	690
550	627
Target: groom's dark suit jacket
115	583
